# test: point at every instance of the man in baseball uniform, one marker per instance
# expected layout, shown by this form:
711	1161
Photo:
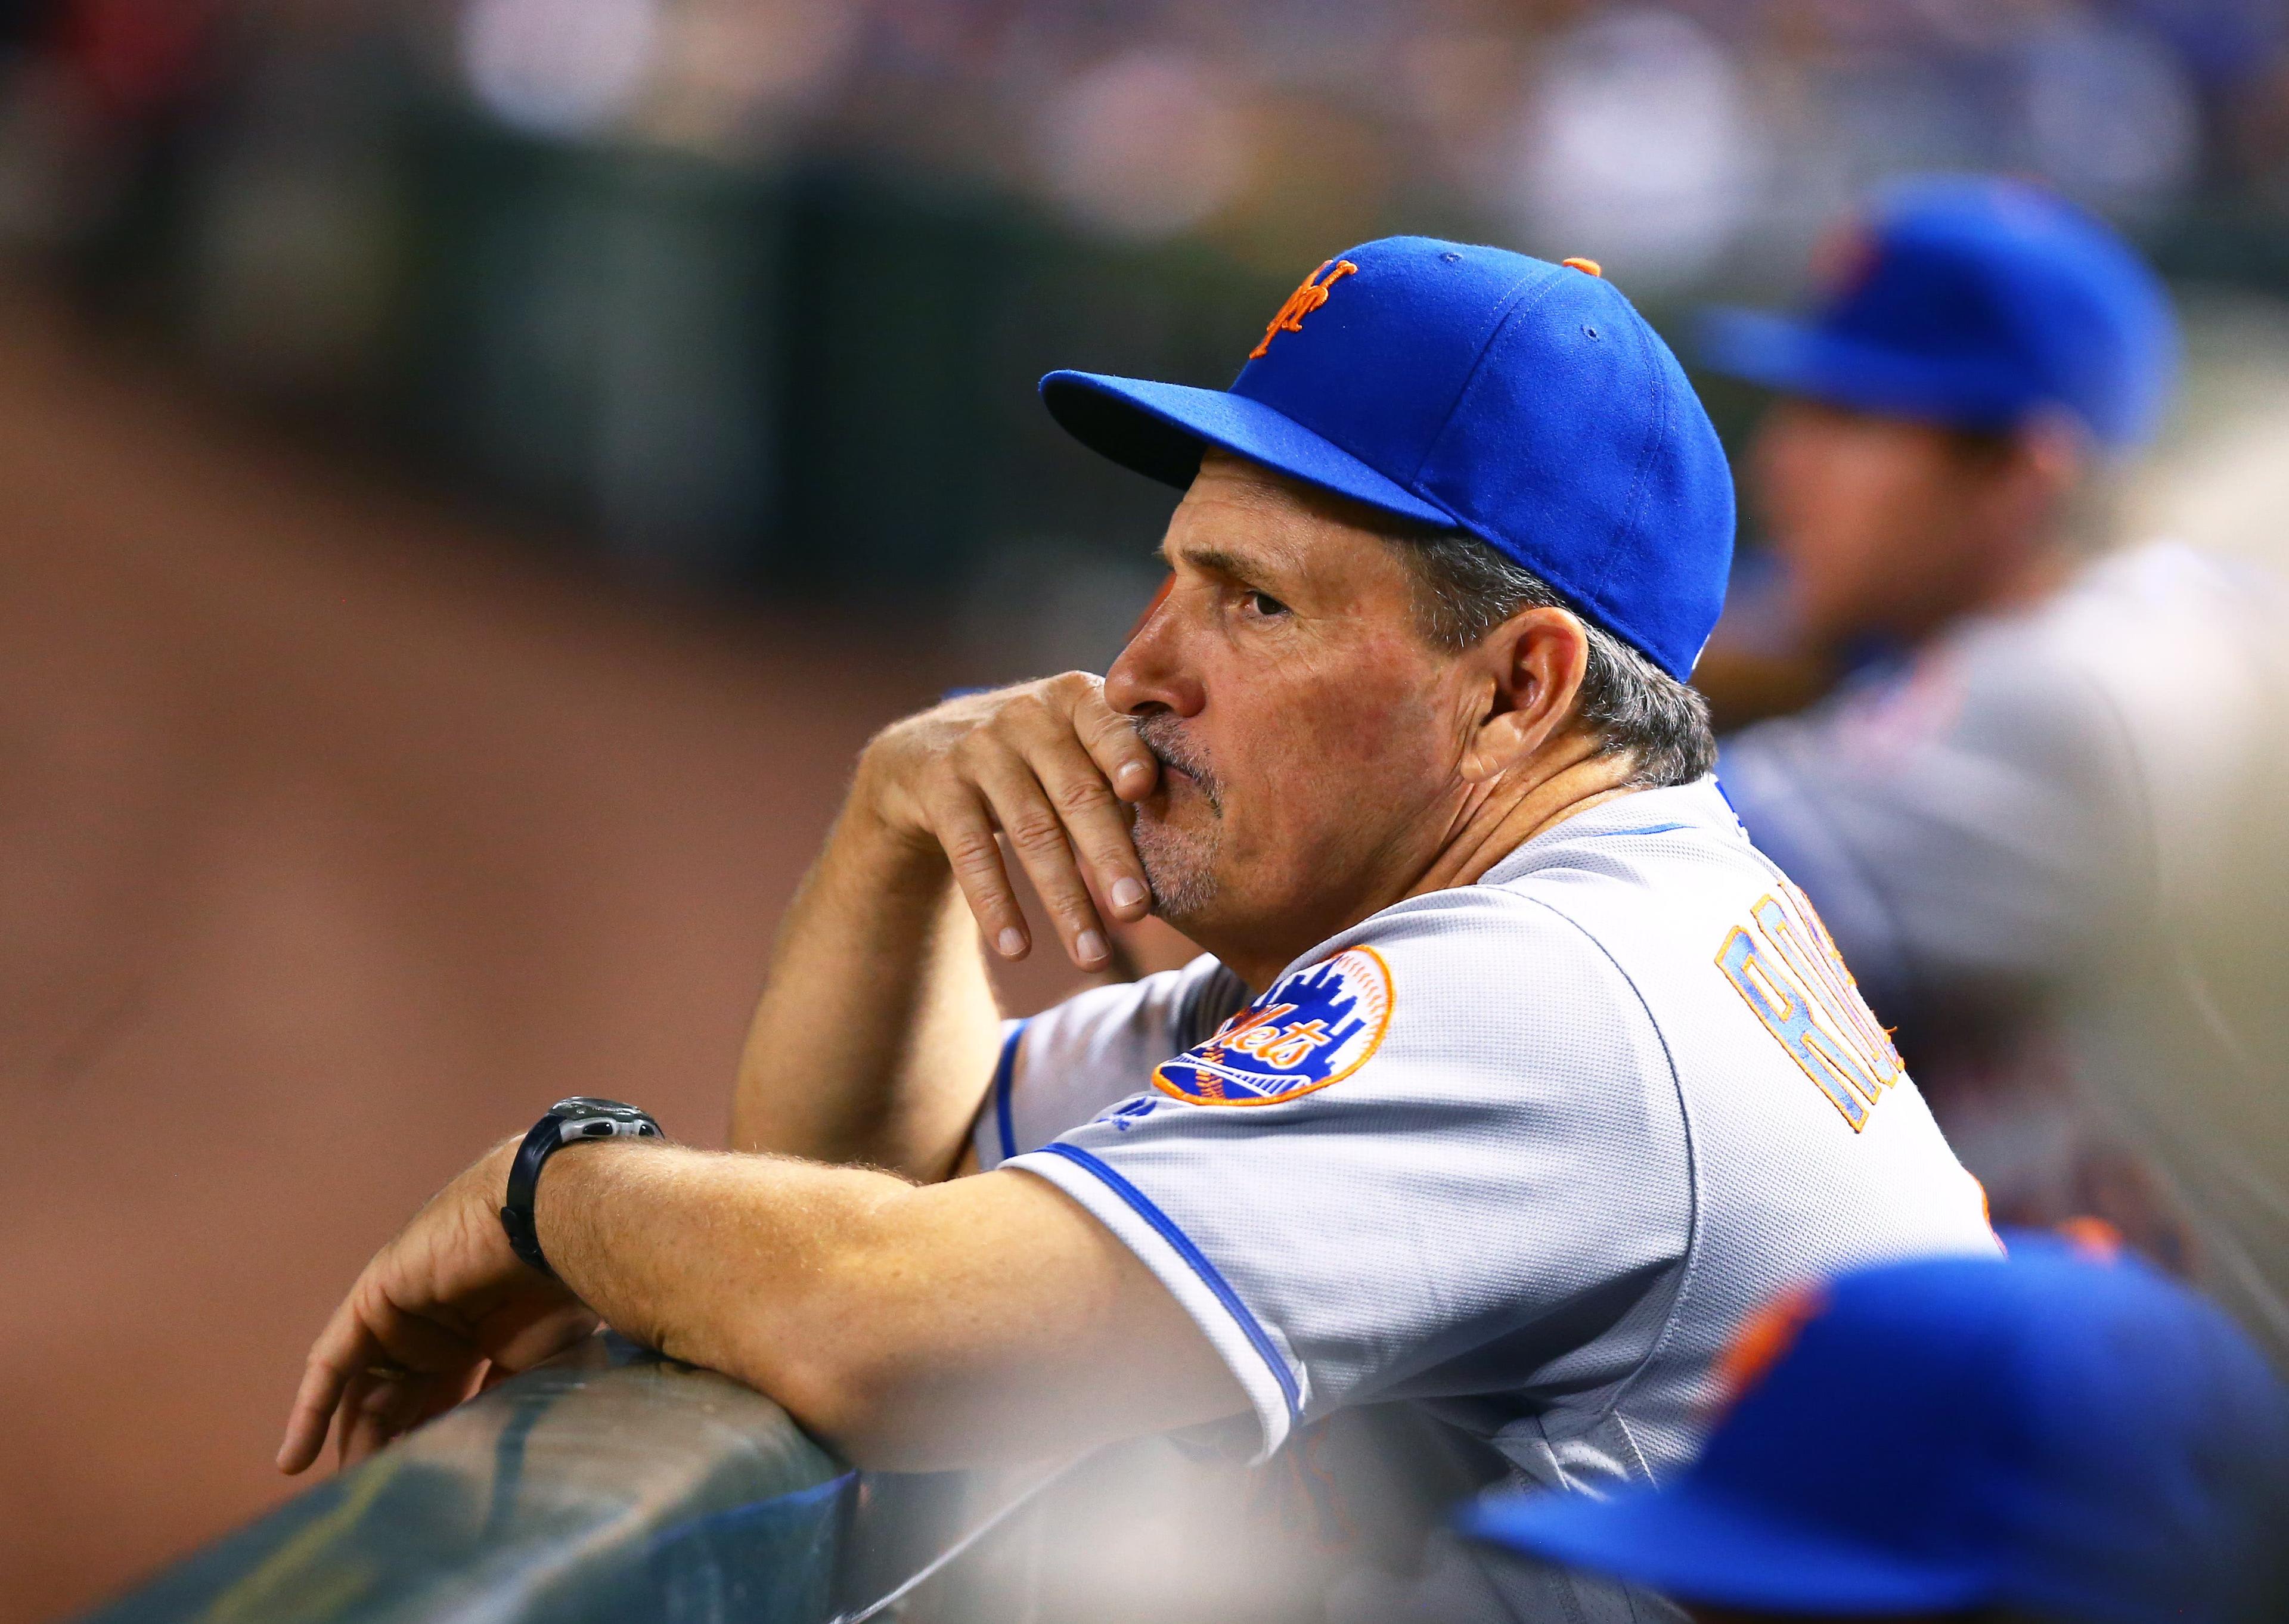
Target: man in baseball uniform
1516	1076
2044	827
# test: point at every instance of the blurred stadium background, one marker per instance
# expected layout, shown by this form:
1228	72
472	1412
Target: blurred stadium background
472	471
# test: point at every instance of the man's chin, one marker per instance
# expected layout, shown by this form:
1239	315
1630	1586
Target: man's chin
1179	866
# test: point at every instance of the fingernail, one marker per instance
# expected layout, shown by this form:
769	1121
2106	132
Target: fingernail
1012	942
1090	945
1127	893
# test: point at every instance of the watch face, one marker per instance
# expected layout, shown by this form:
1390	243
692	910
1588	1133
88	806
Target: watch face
611	1115
588	1105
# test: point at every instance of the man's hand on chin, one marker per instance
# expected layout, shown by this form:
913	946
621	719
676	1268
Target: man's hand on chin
1047	764
438	1311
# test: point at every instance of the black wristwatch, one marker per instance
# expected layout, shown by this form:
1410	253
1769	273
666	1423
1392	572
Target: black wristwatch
568	1122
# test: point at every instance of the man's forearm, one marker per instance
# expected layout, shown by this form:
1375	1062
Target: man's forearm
734	1262
912	1326
875	1037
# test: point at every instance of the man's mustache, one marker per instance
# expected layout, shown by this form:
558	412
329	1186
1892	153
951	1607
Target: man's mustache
1164	736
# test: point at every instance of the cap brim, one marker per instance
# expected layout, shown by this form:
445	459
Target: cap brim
1160	429
1797	359
1700	1550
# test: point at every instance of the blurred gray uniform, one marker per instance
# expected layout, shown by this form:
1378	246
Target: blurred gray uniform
1523	1153
2071	819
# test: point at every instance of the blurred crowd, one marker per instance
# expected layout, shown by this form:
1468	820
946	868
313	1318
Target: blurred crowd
702	280
1673	133
1676	133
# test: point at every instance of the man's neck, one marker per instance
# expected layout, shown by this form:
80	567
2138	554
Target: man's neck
1512	810
2030	581
2016	584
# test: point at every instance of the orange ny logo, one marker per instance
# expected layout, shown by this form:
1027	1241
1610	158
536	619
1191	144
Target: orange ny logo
1309	296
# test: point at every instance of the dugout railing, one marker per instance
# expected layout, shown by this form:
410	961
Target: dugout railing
607	1485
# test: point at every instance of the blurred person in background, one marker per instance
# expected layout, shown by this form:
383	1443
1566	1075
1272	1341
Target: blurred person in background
2049	1438
2038	822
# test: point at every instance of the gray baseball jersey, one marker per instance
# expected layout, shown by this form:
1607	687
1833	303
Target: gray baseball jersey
1525	1152
2080	803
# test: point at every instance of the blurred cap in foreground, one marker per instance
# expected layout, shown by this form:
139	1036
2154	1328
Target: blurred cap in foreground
1468	388
1976	303
2077	1440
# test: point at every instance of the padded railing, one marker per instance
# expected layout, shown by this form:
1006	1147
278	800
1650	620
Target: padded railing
606	1485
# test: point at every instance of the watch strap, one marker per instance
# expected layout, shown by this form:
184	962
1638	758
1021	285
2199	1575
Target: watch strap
569	1121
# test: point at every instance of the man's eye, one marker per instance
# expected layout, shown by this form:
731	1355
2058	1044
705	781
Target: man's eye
1265	603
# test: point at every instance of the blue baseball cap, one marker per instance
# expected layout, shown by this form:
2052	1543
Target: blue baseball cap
2074	1440
1472	389
1972	302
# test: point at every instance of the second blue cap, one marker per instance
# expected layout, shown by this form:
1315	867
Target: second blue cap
2046	1437
1469	388
1975	302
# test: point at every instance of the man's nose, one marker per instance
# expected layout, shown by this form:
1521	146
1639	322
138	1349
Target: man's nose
1152	673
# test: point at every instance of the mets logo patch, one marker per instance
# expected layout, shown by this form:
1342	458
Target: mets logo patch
1313	1028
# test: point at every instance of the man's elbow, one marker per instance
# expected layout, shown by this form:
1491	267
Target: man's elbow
877	1409
865	1365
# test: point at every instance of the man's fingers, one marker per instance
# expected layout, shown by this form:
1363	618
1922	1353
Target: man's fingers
546	1336
965	832
378	1410
355	1393
365	1407
418	1344
1112	742
1095	825
307	1423
1037	834
382	1404
368	1332
1046	765
343	1349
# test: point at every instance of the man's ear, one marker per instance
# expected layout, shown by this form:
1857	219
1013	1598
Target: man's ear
2050	454
1536	660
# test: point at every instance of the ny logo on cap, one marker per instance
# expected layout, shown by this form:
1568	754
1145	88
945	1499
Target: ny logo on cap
1309	294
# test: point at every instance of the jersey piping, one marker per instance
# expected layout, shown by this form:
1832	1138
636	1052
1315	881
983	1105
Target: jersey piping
1197	1261
1004	1071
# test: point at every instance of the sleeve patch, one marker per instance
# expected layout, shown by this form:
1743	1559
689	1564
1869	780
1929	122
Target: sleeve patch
1311	1029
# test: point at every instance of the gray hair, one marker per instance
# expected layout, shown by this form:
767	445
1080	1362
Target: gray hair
1465	589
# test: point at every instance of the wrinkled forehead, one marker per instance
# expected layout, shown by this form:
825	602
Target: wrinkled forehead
1237	512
